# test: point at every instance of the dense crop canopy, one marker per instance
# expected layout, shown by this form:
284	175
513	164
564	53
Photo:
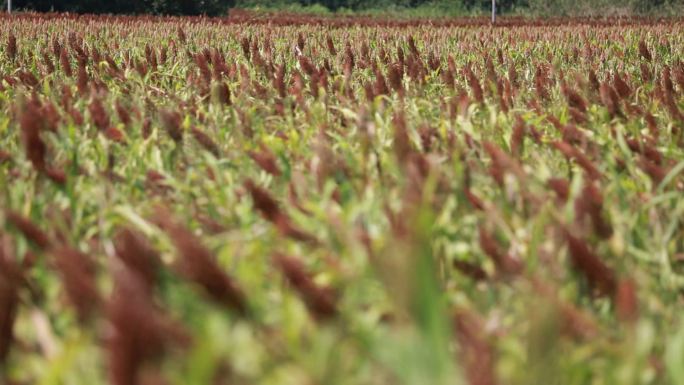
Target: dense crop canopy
341	201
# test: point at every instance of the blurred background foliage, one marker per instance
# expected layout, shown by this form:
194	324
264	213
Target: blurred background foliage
427	8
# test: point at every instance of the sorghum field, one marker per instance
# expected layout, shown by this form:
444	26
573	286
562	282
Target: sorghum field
302	200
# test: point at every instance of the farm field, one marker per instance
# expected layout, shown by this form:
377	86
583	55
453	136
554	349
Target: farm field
305	200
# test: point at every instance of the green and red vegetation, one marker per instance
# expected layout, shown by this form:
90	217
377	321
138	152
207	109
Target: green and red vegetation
304	200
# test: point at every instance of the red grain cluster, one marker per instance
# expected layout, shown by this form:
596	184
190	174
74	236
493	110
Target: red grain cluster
198	265
320	300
